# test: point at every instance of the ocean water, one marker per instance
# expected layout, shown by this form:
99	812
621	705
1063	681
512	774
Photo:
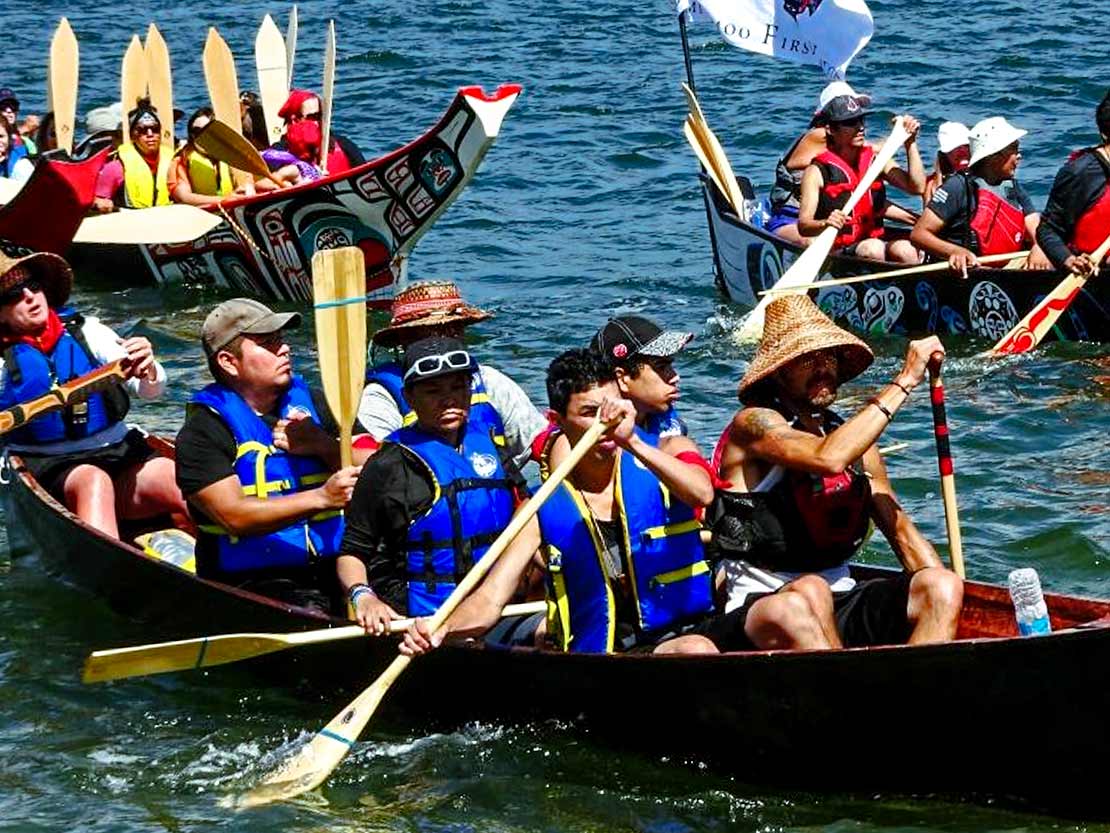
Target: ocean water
586	206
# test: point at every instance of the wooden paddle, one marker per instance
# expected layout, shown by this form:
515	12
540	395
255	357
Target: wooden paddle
162	224
1039	321
291	45
160	80
273	74
339	299
63	395
206	651
317	759
716	153
223	90
890	275
944	462
224	144
133	81
328	100
810	261
701	150
61	86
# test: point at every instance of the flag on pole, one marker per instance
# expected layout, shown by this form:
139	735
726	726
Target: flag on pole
825	33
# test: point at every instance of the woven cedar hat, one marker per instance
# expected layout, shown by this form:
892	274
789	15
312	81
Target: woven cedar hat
18	263
427	304
793	327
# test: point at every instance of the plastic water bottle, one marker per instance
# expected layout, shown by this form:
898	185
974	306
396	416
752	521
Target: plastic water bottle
1029	606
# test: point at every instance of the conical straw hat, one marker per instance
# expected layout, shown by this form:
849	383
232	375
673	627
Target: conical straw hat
795	326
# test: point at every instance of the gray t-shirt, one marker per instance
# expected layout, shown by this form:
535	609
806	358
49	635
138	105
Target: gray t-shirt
955	203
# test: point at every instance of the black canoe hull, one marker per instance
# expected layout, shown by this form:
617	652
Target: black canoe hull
990	714
748	260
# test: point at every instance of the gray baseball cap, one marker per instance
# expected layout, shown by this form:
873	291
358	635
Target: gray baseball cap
242	316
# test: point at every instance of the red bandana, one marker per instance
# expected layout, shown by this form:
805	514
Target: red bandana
303	139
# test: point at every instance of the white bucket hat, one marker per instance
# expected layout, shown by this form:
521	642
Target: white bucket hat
951	135
837	89
992	135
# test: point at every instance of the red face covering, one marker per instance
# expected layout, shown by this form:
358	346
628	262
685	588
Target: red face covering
43	341
303	139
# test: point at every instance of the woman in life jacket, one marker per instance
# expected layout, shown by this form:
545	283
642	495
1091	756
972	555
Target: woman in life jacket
953	154
85	455
196	178
1077	215
830	179
966	219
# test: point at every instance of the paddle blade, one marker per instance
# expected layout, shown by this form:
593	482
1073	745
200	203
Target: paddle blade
184	655
328	100
160	81
61	91
339	296
315	761
273	74
222	80
222	142
291	45
132	79
162	224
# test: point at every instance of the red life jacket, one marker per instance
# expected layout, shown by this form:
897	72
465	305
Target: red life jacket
337	160
999	226
840	180
1094	226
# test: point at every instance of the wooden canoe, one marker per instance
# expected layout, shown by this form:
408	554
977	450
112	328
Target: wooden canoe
991	714
748	259
384	207
45	213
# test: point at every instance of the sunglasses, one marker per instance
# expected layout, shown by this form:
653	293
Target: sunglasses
431	365
147	128
296	117
851	123
10	296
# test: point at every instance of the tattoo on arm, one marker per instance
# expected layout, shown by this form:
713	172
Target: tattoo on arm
759	422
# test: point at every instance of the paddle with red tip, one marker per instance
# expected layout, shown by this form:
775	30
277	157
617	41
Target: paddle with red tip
1031	330
944	462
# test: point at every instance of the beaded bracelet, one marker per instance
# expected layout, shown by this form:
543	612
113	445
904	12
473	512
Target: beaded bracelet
357	590
886	411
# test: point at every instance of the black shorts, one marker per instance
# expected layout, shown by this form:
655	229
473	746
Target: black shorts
115	459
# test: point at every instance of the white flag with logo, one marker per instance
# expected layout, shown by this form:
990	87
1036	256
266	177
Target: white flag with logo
825	33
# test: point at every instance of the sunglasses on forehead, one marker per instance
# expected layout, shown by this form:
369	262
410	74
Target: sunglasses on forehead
15	293
431	365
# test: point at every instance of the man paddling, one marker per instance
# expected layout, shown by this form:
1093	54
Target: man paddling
806	485
625	565
1077	217
982	210
258	461
138	177
432	499
497	403
86	456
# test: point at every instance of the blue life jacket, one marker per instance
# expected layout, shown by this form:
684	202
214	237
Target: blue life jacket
669	577
482	413
472	504
82	426
15	153
266	471
668	422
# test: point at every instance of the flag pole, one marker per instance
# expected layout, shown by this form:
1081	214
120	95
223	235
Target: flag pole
686	51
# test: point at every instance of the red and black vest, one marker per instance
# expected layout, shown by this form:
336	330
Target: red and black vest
998	226
840	180
803	523
1093	227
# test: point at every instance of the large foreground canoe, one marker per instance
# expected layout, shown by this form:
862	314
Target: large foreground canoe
748	259
991	714
264	247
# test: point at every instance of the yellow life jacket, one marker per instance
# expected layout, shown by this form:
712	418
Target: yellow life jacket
213	179
140	189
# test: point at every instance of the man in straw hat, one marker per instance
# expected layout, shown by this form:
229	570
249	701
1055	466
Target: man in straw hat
497	402
85	455
982	210
259	462
807	483
1077	217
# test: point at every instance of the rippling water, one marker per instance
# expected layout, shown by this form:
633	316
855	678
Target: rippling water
586	206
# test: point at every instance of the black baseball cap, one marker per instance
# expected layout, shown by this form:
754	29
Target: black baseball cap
430	358
6	94
627	336
846	108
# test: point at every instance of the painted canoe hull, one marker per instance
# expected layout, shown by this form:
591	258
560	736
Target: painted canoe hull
264	247
990	714
748	260
59	190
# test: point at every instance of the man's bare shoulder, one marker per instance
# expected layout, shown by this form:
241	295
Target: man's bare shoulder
752	424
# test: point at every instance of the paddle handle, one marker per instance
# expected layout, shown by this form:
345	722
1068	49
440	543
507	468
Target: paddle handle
944	463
